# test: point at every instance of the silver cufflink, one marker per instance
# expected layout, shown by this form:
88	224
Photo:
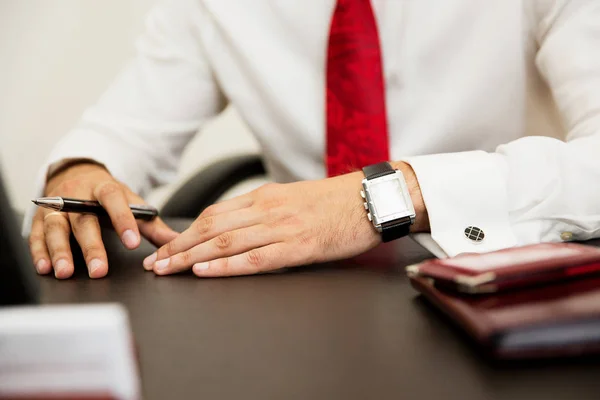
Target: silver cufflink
474	234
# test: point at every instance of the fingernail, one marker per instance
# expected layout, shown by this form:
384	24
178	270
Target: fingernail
130	239
95	264
148	261
41	266
161	265
60	268
201	266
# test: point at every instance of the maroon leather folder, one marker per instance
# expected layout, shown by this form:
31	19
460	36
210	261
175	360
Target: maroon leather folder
548	321
512	268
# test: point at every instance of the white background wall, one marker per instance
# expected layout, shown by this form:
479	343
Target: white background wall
56	57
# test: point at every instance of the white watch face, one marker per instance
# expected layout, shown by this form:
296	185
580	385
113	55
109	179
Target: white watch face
388	198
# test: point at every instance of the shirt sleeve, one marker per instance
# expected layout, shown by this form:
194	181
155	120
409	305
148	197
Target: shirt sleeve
141	124
535	189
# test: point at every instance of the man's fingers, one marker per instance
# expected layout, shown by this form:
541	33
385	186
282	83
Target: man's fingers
37	245
157	232
226	206
112	197
262	259
226	244
204	229
86	229
57	231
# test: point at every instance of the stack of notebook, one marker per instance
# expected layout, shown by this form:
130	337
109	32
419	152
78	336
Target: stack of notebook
528	302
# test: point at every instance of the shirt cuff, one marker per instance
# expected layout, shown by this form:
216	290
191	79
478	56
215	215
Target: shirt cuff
463	190
60	165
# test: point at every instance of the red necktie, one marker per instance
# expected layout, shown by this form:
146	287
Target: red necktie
356	118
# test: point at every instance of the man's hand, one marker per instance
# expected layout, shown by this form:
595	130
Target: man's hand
278	225
50	230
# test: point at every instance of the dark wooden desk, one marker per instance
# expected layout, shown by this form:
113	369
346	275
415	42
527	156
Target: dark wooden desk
354	330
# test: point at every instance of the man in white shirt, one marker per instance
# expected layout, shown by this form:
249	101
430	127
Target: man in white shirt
493	116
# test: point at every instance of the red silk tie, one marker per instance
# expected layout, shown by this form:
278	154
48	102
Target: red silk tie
356	118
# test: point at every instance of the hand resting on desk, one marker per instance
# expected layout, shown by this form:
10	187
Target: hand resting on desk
50	230
279	225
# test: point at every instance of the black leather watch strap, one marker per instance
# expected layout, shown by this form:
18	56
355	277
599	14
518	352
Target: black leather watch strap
378	170
395	229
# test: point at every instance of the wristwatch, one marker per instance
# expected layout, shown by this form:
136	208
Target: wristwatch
387	201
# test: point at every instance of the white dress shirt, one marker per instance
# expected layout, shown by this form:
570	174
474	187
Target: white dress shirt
495	104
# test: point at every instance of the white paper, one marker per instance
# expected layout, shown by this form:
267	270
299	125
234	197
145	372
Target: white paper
67	349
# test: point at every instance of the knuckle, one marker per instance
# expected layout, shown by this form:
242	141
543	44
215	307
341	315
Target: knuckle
268	187
273	223
267	191
58	252
78	219
224	264
288	219
170	248
255	258
82	220
268	204
91	249
224	241
186	258
38	249
52	224
35	238
208	211
107	189
306	239
69	186
204	225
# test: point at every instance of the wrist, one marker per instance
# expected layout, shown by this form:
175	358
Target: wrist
69	169
67	163
421	219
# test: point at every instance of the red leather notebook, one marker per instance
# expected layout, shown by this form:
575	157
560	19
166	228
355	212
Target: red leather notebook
511	268
548	321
